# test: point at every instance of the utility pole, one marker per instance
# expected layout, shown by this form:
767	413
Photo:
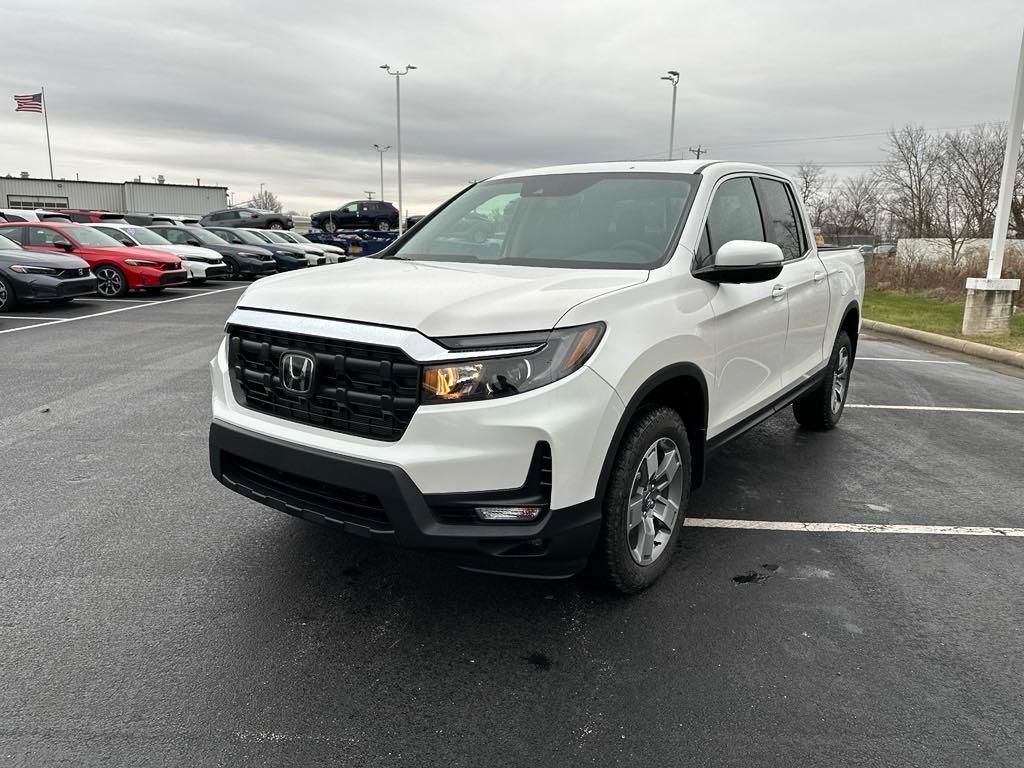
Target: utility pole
672	77
397	74
989	306
700	150
380	151
368	193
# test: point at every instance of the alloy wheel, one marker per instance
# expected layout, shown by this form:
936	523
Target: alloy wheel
108	281
330	226
4	296
383	225
840	379
654	501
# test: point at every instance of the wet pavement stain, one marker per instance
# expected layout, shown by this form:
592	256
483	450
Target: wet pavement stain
760	576
540	661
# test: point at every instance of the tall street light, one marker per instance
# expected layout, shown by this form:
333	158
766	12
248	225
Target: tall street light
672	77
398	119
380	151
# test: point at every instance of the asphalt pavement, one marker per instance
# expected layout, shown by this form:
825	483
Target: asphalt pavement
148	616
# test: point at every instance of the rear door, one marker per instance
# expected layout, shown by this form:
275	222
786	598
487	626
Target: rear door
750	319
803	278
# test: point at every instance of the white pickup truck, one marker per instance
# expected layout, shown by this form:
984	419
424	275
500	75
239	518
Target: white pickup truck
533	377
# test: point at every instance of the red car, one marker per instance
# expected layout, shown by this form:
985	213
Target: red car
117	269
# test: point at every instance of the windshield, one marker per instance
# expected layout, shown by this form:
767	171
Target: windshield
143	236
297	238
287	237
6	243
582	220
206	236
91	238
274	237
249	237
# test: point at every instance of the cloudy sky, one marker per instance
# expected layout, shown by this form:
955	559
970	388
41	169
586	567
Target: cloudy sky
290	94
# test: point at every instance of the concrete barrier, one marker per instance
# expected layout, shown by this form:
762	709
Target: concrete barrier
973	348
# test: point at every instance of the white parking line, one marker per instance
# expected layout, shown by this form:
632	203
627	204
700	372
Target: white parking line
779	525
120	309
1013	411
141	301
910	360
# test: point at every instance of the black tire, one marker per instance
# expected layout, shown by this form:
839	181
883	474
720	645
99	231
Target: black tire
8	299
329	225
111	282
383	225
232	271
613	561
275	225
152	291
823	407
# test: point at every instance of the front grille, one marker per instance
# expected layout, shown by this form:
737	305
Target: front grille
304	494
69	273
171	278
359	389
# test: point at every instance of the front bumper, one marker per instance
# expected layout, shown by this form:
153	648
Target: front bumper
204	270
380	501
34	287
256	267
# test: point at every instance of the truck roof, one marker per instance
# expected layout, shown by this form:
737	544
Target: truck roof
721	167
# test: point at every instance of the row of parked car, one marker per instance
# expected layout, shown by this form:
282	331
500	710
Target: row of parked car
55	259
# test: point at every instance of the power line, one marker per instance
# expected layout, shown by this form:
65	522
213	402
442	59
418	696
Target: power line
700	150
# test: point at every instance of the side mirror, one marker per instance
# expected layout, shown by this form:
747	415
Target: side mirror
743	261
192	241
64	245
129	243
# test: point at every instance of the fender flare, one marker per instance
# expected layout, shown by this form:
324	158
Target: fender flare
697	433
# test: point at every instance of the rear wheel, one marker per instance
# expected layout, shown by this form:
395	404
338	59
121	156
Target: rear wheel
8	300
822	407
646	501
110	281
329	225
275	225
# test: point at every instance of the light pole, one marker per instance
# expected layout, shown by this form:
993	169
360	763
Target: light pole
672	77
380	151
398	120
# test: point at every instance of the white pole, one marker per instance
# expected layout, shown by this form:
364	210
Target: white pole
381	174
398	115
672	129
1013	133
46	122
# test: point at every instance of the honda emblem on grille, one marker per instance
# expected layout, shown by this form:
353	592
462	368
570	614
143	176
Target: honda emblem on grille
297	372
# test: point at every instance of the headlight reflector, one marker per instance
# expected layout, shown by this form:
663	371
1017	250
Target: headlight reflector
27	269
564	351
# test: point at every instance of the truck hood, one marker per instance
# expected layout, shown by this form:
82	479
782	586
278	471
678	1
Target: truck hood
437	299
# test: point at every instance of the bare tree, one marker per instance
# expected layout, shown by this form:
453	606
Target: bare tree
266	200
973	162
911	175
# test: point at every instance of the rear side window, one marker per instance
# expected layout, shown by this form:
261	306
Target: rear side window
45	237
176	236
12	217
734	215
17	234
783	227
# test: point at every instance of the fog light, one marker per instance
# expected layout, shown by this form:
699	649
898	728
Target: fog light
492	514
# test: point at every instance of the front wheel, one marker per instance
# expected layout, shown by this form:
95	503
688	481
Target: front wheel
275	225
231	271
646	501
330	226
823	406
110	282
8	300
383	225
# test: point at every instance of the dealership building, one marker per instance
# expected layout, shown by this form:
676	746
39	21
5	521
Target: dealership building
123	197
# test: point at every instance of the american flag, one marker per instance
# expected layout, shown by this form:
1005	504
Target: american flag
31	103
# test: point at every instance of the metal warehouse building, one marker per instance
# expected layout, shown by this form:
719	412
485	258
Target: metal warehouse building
123	197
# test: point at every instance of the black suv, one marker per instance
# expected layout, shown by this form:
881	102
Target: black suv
253	218
360	214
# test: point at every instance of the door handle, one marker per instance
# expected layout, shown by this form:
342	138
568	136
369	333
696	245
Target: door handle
819	276
778	291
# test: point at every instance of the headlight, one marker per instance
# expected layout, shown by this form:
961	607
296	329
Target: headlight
29	270
141	263
565	350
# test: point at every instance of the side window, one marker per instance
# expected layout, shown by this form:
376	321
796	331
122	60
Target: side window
13	217
734	215
350	208
217	216
176	236
45	237
17	234
783	228
114	233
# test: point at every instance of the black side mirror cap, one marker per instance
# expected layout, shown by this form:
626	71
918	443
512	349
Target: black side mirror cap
758	273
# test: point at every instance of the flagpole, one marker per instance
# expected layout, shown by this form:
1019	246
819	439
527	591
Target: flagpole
46	122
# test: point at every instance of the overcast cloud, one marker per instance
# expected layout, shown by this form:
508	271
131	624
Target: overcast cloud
290	94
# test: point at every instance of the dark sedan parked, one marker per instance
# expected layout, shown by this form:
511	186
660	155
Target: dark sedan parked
241	260
286	257
361	214
33	276
253	218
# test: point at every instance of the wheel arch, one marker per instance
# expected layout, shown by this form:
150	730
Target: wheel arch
851	324
681	386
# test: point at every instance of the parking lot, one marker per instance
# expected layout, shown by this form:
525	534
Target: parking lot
150	616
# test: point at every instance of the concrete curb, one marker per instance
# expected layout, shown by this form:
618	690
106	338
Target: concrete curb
973	348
